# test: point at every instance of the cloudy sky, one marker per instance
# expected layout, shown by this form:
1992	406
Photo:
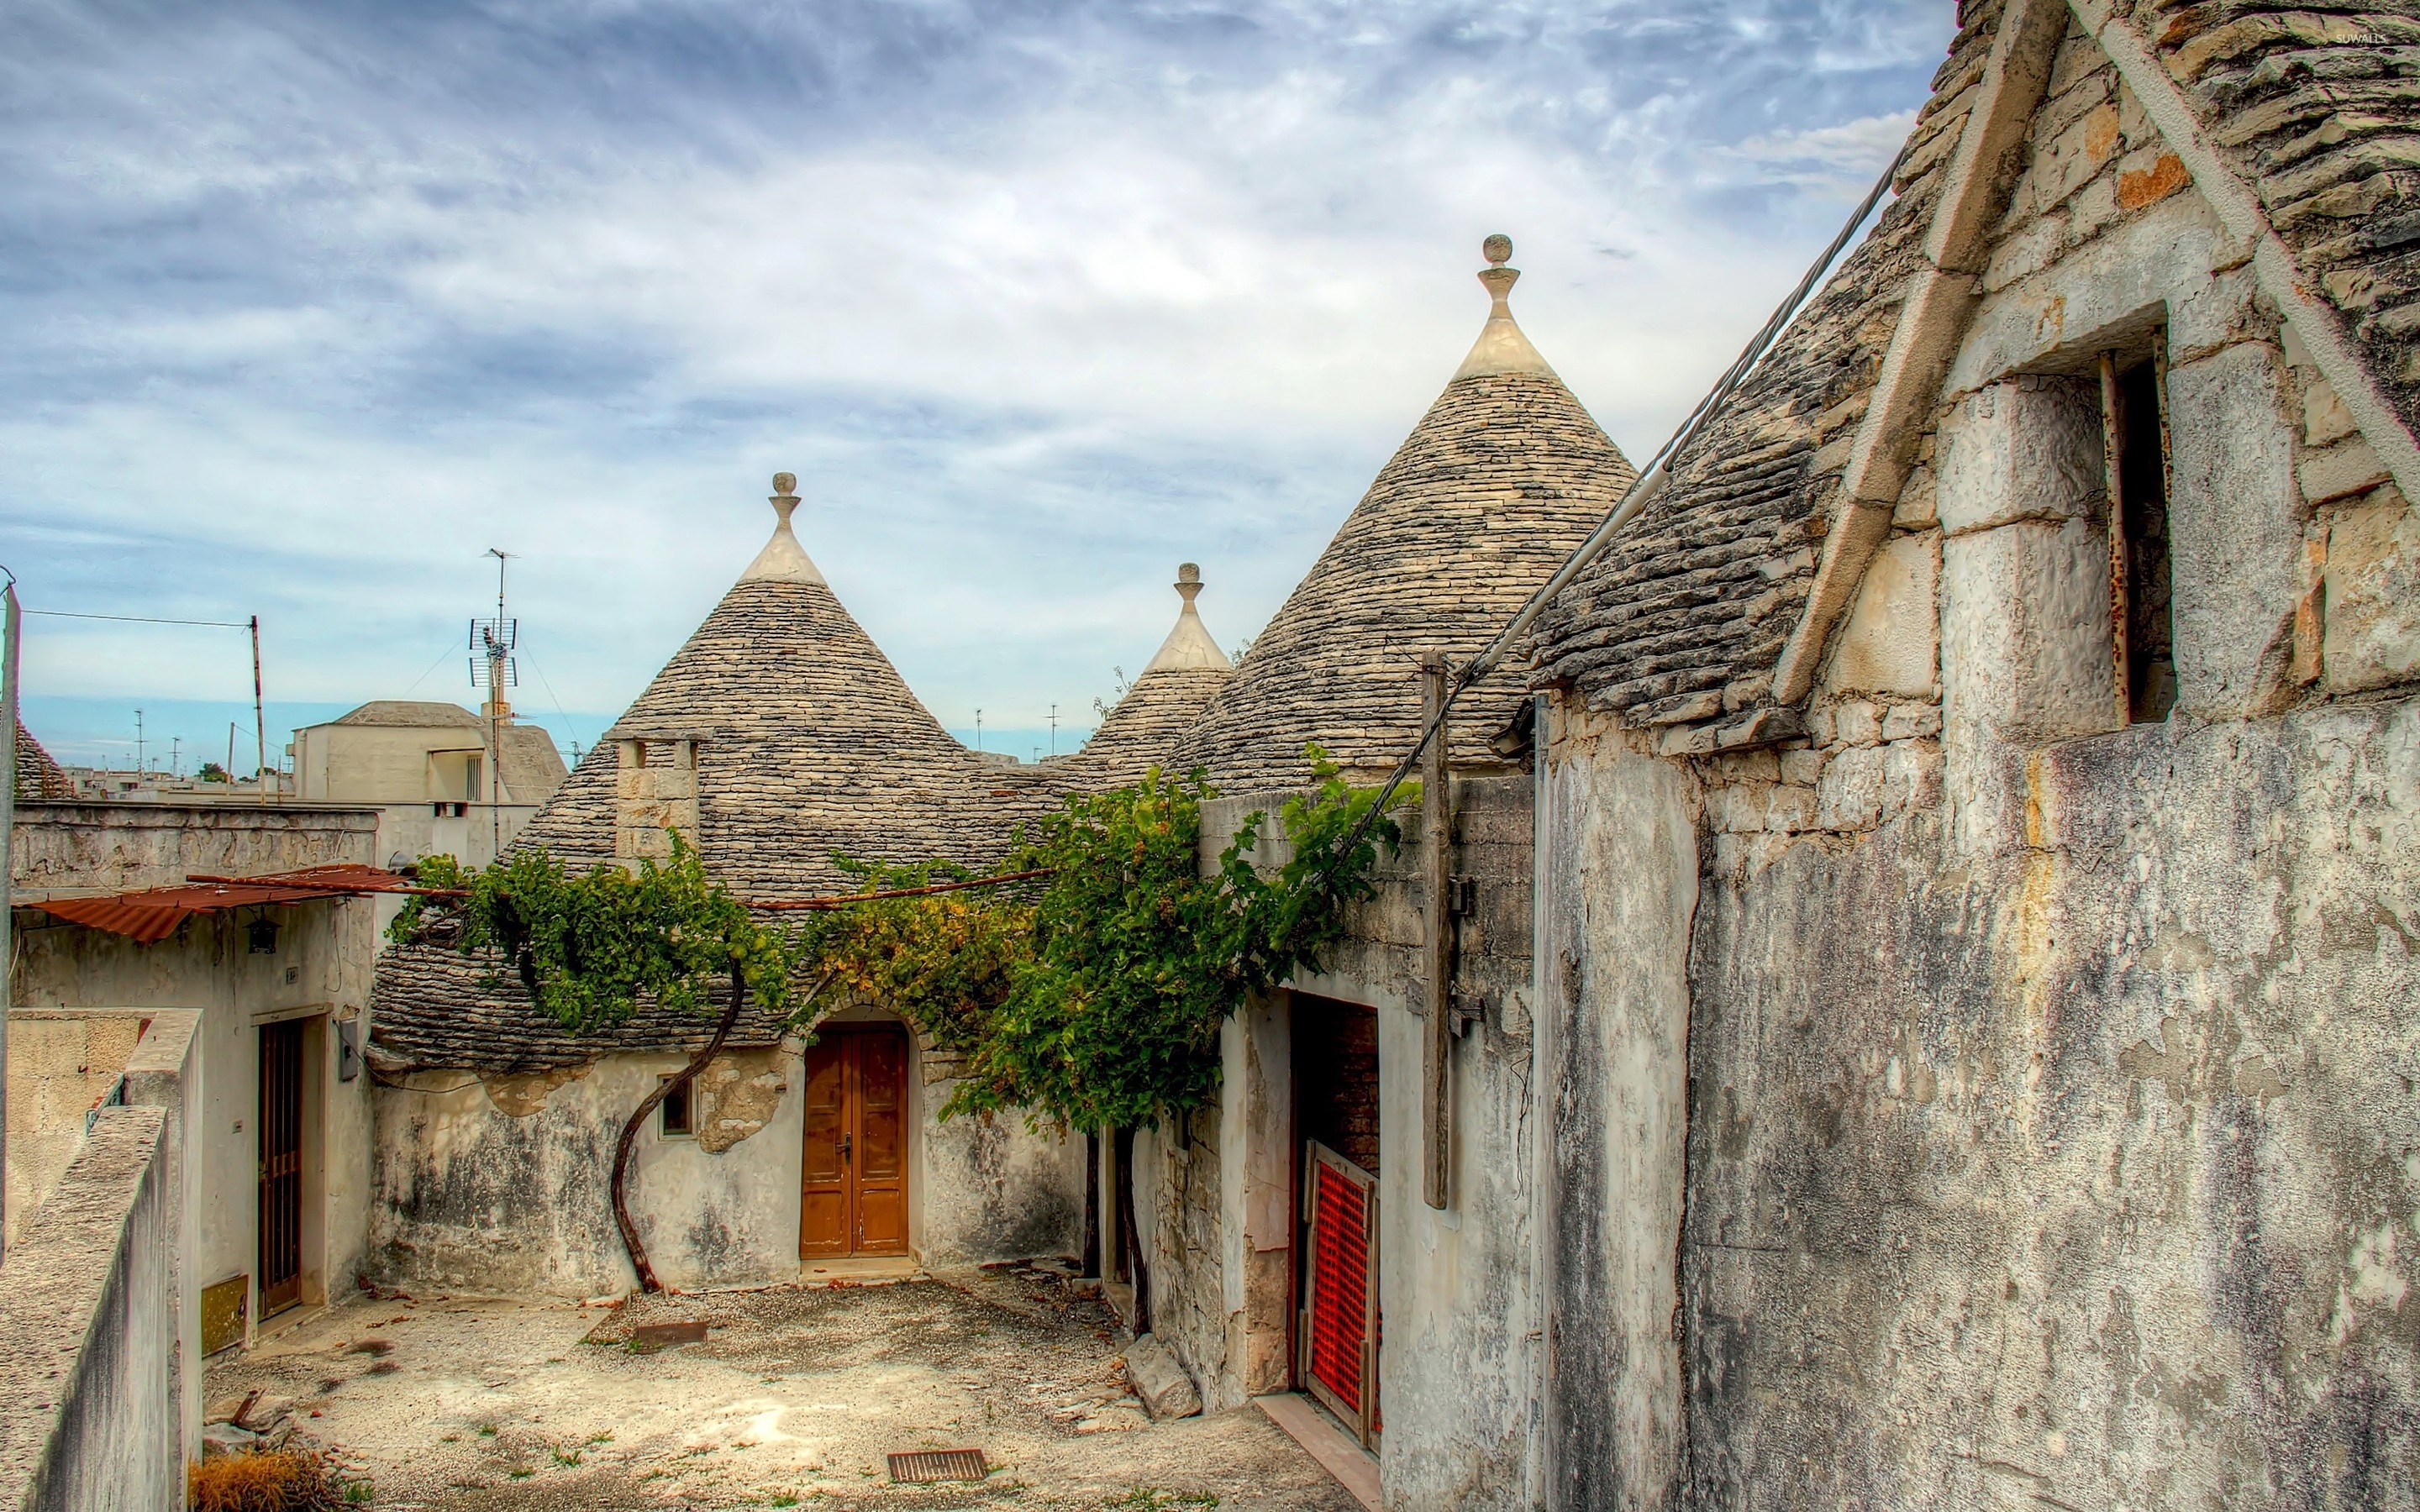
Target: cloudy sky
311	304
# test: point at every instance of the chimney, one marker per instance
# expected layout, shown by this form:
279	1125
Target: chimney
655	790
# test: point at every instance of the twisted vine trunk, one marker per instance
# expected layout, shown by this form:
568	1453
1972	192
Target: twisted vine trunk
647	1105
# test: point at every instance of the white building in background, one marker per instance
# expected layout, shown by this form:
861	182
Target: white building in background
446	781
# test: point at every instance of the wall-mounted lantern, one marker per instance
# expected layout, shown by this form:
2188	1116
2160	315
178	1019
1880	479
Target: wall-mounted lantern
261	935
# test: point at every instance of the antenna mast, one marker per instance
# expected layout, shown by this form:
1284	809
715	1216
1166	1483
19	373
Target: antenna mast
495	670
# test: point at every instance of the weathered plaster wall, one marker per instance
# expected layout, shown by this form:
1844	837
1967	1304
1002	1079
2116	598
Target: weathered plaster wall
319	972
2050	1135
1459	1361
61	1065
2085	1169
1620	899
500	1186
89	1415
992	1189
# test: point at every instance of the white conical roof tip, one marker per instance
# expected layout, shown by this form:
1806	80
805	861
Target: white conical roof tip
783	560
1500	348
1188	646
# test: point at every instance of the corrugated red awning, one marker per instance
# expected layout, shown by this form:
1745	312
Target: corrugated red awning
152	914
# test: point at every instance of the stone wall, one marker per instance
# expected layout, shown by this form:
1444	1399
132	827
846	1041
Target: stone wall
498	1185
111	847
100	1357
2045	1136
62	1064
319	973
88	1409
1459	1363
1619	880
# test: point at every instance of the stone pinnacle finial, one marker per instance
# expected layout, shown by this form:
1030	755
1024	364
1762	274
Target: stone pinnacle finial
783	560
1188	647
1500	348
1498	278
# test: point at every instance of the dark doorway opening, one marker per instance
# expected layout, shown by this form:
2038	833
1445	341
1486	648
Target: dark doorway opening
1337	1162
280	1123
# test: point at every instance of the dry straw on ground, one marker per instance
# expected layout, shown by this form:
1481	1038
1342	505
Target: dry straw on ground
262	1483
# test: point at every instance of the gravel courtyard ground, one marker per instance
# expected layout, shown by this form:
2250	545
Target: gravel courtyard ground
795	1398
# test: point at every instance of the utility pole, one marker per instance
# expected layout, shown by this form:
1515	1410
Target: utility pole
978	730
1054	729
175	756
260	719
138	744
230	765
8	823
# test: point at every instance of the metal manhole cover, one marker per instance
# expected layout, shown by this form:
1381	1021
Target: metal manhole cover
927	1465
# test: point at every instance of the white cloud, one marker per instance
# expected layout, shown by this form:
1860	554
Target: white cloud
1027	346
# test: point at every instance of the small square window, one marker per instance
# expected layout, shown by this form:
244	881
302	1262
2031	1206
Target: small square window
674	1113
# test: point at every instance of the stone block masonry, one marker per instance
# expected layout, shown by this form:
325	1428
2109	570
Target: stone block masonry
89	1411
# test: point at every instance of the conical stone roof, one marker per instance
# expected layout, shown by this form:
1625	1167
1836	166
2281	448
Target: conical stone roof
1495	486
38	778
1163	705
808	741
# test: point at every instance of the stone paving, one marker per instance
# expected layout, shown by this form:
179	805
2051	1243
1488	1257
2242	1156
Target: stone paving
794	1399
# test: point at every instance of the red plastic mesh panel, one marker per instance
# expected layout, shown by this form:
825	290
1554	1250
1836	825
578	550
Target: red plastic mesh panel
1340	1294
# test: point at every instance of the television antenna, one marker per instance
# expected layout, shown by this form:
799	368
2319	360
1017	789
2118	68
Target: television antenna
495	670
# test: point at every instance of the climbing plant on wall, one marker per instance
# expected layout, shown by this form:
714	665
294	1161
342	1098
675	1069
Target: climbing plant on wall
1089	996
590	947
1096	1002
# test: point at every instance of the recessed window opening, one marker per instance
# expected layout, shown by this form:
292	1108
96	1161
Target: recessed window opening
674	1112
2134	429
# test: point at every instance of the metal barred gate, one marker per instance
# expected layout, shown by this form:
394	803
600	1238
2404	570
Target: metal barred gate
1339	1314
280	1125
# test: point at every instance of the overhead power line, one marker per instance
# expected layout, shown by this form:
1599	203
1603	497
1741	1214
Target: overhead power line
139	619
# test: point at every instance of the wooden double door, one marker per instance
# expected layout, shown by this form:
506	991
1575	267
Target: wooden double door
853	1180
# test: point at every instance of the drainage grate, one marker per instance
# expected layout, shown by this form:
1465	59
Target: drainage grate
924	1465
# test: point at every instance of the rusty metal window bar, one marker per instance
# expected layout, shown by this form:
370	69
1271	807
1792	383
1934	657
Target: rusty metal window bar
2137	465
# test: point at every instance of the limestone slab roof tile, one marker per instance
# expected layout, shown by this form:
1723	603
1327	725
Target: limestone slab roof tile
2318	106
38	778
1503	476
411	714
2315	106
1165	702
1701	593
810	742
533	766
